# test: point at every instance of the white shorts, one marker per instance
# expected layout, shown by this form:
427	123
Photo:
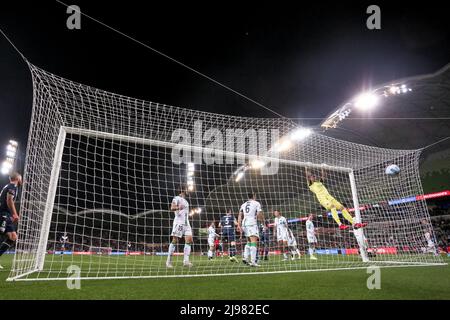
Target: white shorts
312	239
282	236
180	230
211	242
251	231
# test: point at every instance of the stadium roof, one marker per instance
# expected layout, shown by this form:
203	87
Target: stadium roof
406	121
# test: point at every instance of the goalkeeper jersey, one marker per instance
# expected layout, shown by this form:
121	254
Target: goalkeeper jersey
319	189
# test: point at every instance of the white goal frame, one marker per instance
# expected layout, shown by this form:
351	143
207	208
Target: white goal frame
63	131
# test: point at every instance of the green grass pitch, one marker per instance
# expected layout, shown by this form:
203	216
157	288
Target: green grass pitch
396	283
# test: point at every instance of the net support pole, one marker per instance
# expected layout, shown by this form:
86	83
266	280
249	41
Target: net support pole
359	233
47	218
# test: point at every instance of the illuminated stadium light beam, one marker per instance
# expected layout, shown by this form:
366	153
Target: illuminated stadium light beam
14	143
283	145
190	173
366	101
11	154
4	170
239	176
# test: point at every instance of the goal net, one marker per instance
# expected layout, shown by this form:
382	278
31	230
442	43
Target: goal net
103	170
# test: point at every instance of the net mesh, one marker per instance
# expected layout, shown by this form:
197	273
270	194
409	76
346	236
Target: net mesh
100	171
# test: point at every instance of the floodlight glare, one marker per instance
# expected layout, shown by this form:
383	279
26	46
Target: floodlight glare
301	134
11	148
13	143
10	154
239	176
366	101
4	171
7	164
394	90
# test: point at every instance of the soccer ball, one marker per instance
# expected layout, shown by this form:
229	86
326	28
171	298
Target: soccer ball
392	170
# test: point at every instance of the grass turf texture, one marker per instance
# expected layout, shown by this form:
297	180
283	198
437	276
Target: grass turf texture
396	283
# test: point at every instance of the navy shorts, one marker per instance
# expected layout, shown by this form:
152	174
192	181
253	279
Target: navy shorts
229	235
6	222
264	238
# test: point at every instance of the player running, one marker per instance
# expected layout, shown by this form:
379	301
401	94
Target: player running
311	237
228	224
211	237
8	213
292	244
249	215
328	202
181	227
280	232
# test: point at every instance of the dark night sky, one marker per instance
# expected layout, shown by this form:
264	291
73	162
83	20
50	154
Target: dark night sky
303	60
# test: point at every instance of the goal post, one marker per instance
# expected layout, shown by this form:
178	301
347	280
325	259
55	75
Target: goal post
47	218
100	167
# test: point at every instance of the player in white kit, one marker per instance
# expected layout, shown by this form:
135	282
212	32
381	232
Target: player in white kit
211	237
249	215
292	244
311	237
181	227
431	246
280	232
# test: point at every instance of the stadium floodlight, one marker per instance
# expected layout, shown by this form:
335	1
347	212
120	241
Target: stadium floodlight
283	145
394	90
301	134
195	211
14	143
4	170
11	148
130	199
366	101
6	166
10	154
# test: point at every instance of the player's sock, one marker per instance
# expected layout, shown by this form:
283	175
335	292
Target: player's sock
232	250
246	252
311	251
253	252
347	216
5	246
335	216
298	252
187	252
171	251
210	254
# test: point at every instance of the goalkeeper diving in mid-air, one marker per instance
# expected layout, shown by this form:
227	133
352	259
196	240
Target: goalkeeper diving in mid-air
329	202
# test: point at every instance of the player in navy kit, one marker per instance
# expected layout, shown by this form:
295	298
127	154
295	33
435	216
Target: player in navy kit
263	253
228	225
8	212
